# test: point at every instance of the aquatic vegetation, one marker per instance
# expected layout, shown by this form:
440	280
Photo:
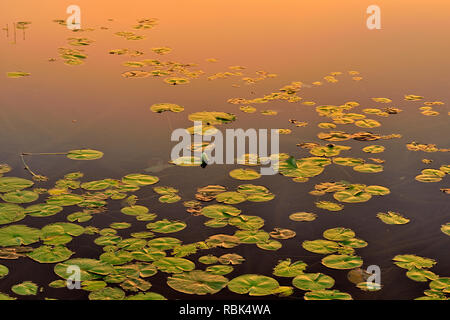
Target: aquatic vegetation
17	74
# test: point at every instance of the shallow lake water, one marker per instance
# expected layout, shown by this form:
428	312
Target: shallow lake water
61	107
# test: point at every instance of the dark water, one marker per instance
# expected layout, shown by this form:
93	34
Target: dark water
112	115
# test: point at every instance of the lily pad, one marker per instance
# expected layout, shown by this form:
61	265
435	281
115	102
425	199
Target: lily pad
107	293
253	284
327	295
286	268
16	235
197	282
138	179
10	213
161	107
244	174
9	184
26	288
48	254
174	265
303	216
342	261
166	226
313	281
392	218
84	154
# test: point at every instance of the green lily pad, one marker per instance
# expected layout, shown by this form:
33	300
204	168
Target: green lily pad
138	179
320	246
222	240
330	206
352	196
42	210
285	268
217	211
135	210
253	284
351	162
445	228
409	261
3	271
17	74
107	293
377	190
303	216
338	234
252	236
84	154
421	275
9	184
79	216
212	117
244	174
146	296
11	213
164	243
231	197
368	168
161	107
17	235
219	269
270	244
166	226
373	149
174	265
197	282
48	254
21	196
169	198
231	258
392	218
342	261
245	222
313	281
327	295
90	269
65	200
26	288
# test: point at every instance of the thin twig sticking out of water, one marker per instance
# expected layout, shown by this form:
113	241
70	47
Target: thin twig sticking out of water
27	167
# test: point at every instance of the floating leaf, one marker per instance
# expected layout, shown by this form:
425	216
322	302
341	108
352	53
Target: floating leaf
138	179
327	295
330	206
244	174
166	226
197	282
26	288
84	154
410	261
253	284
219	269
174	265
392	218
320	246
338	234
11	213
48	254
9	184
313	281
17	74
342	261
107	293
285	268
17	235
161	107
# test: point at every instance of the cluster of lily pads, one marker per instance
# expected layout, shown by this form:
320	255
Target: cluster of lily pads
418	271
